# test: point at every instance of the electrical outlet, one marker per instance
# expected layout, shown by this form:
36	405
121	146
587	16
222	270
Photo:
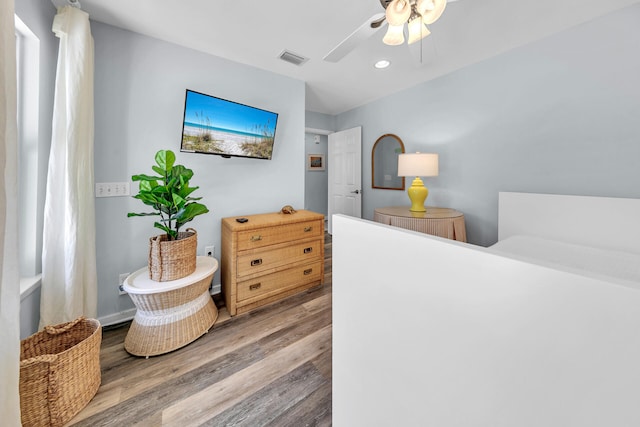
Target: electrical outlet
121	279
210	251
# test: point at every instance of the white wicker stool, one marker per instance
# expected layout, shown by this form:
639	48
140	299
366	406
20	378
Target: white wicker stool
170	314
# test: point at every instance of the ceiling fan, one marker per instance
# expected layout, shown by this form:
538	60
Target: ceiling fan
416	13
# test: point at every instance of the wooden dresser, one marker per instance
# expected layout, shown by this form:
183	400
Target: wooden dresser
270	257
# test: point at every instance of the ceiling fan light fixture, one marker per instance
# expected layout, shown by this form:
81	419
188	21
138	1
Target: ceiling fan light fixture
417	31
398	12
431	16
394	35
424	6
417	14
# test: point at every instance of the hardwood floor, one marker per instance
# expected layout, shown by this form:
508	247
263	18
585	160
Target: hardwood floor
269	367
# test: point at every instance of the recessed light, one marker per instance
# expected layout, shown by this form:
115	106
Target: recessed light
383	63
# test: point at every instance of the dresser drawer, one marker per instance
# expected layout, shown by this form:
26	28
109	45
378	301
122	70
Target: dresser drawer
258	238
280	281
257	261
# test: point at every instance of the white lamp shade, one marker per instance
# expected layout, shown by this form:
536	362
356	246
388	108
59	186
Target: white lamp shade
417	31
394	35
424	6
398	12
418	164
431	16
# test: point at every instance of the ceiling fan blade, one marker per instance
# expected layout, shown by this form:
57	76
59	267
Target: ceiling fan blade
362	33
377	23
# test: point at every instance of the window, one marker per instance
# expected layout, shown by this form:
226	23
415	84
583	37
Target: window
27	60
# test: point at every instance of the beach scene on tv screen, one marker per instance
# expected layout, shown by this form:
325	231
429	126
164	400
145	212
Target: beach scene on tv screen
217	126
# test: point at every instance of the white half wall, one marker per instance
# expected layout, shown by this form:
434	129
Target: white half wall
431	332
602	222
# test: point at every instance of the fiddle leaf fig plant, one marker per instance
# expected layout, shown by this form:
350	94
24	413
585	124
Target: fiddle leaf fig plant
169	194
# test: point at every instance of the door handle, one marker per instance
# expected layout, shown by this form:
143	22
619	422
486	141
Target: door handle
356	192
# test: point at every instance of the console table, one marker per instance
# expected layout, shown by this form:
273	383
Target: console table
442	222
170	314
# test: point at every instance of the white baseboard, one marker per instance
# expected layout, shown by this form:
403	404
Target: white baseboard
216	289
115	318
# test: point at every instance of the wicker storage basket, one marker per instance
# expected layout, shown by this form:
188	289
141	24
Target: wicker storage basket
175	259
59	372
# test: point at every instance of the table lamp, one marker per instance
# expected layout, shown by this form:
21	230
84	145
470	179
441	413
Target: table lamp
418	164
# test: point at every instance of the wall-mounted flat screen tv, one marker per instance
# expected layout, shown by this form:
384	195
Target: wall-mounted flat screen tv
214	125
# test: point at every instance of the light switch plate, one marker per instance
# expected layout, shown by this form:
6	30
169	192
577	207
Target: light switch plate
112	189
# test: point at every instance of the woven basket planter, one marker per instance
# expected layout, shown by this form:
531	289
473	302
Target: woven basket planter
172	259
59	372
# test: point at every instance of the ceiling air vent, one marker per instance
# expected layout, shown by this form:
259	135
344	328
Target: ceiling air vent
293	58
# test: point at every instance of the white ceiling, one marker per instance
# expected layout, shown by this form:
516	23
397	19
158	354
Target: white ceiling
255	32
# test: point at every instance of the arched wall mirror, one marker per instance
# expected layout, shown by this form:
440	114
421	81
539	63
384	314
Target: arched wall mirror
384	163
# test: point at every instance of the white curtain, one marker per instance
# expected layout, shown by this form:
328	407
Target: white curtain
69	281
9	277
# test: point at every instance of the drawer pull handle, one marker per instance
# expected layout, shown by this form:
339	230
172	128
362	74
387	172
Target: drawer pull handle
256	262
308	229
308	271
308	250
256	238
255	287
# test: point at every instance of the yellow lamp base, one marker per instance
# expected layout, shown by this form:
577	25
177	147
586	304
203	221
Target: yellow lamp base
417	194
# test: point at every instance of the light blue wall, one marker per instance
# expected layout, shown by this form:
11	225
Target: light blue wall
320	121
316	182
140	85
557	116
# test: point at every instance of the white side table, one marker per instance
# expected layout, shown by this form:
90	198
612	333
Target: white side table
170	314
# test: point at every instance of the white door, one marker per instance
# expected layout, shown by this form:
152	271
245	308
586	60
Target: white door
345	173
